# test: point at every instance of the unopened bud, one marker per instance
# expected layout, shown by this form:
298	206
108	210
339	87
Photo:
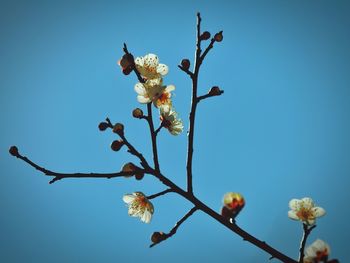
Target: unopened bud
205	35
129	167
126	61
13	151
215	91
137	113
233	204
185	63
127	71
157	237
139	175
116	145
118	128
218	37
103	126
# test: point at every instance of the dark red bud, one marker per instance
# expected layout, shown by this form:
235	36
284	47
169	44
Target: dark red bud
215	91
185	63
218	37
118	128
127	71
103	126
157	237
137	113
13	151
116	145
139	176
205	35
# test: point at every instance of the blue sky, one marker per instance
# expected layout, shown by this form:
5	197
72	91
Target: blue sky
280	131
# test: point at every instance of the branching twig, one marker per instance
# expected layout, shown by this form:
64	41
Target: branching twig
153	137
187	71
177	225
58	176
307	231
208	96
160	193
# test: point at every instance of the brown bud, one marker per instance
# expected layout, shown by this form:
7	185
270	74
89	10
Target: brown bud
13	151
205	35
116	145
129	167
185	63
139	175
118	128
137	113
225	212
157	237
126	61
103	126
215	91
218	37
127	70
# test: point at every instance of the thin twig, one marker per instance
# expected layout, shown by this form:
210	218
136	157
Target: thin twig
187	71
307	231
153	137
58	176
177	225
158	129
169	190
208	96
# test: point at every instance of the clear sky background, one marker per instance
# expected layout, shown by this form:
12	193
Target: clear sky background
280	131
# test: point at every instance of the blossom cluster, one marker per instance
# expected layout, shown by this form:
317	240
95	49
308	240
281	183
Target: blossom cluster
153	90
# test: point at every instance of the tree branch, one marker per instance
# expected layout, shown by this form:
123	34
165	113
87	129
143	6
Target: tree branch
58	176
208	96
187	71
177	225
153	137
160	193
307	231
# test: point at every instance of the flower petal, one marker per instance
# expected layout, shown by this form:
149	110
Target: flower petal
162	69
151	61
318	211
140	89
128	198
143	99
139	61
146	217
169	88
292	215
310	222
307	202
294	204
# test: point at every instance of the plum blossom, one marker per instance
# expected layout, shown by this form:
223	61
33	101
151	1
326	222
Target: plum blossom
304	210
317	252
139	206
154	91
150	68
170	121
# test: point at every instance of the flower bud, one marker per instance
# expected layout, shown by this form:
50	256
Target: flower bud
218	37
233	203
116	145
205	35
118	128
137	113
185	63
129	167
13	151
103	126
157	237
139	175
126	61
215	91
127	71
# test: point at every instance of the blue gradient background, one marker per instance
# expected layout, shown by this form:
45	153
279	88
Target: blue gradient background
280	131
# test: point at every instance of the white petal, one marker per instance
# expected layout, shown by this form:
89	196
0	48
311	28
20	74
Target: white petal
140	89
151	61
307	202
318	211
143	99
133	212
139	61
294	204
292	215
128	198
146	217
162	69
310	252
170	88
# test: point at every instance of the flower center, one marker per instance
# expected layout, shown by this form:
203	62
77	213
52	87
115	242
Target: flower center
321	255
305	214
